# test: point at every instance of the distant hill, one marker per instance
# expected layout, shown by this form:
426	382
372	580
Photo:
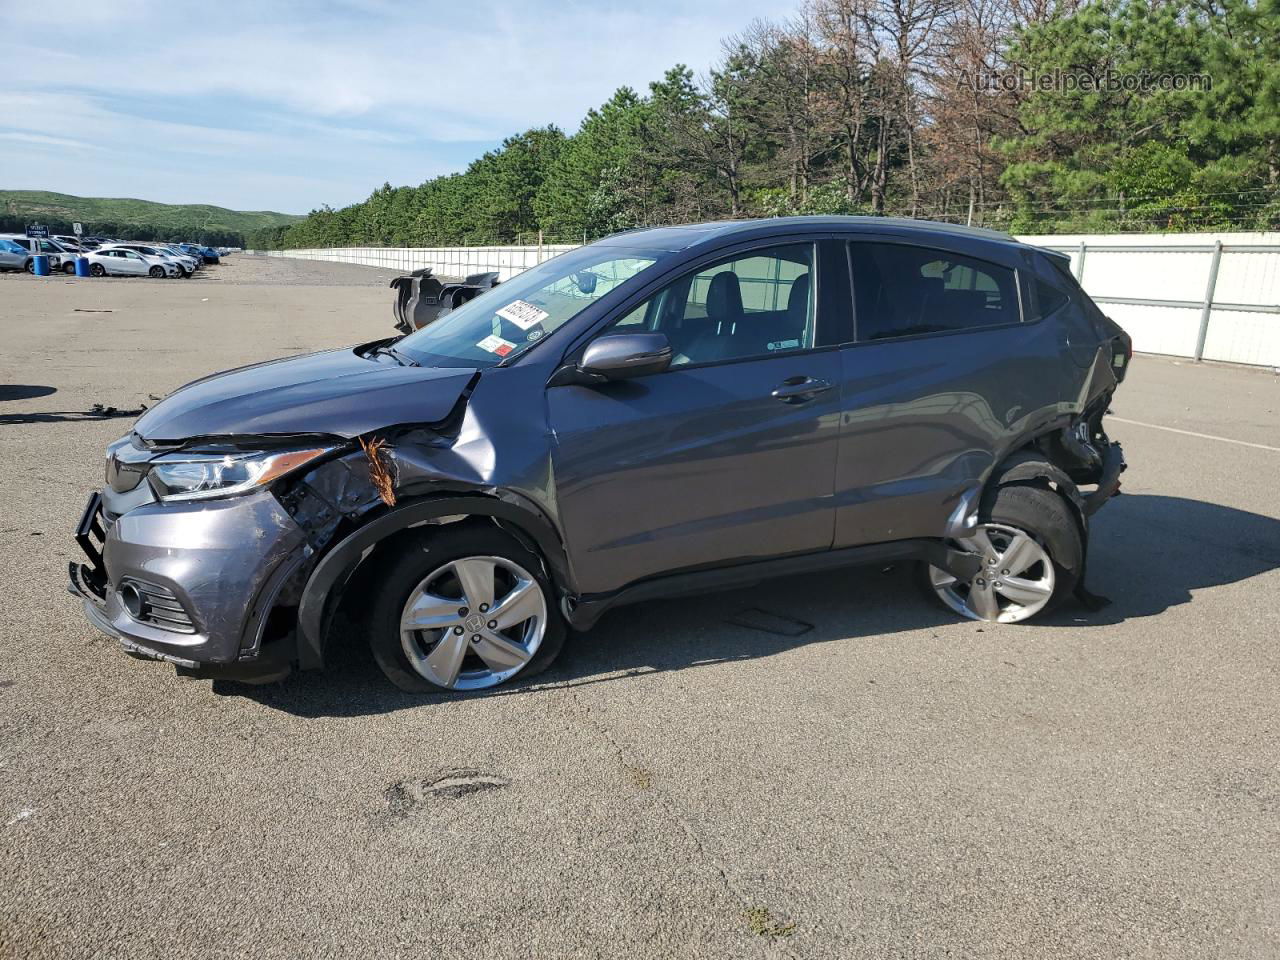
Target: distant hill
134	219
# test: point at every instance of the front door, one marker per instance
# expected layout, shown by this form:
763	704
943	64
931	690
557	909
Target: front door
729	455
132	263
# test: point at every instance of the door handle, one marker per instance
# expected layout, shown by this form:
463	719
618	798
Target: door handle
800	389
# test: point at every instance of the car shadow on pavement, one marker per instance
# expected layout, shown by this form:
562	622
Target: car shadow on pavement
1148	553
25	391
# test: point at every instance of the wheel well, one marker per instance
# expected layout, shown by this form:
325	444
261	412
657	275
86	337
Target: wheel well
1031	466
331	589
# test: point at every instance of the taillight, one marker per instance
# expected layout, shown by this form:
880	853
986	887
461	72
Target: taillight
1121	354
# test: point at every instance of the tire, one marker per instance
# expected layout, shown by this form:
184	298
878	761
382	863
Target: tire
30	265
1030	577
98	270
69	268
157	272
424	566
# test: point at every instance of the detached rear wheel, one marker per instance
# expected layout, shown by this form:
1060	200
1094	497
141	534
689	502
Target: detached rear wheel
463	609
1031	551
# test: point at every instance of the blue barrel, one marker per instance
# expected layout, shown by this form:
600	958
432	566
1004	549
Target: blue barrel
40	265
82	267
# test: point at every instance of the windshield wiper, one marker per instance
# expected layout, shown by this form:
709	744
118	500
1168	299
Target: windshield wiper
402	358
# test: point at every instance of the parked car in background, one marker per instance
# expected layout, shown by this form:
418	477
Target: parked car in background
14	256
194	259
186	265
203	254
663	412
189	262
127	262
59	256
77	244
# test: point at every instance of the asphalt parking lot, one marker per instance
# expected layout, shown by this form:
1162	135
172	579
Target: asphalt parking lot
889	783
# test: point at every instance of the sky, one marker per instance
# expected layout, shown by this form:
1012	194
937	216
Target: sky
283	105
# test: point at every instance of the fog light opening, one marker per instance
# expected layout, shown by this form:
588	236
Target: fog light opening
131	597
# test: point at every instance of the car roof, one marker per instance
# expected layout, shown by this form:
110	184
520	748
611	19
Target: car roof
685	236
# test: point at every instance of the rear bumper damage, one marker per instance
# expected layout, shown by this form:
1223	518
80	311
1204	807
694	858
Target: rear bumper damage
1113	464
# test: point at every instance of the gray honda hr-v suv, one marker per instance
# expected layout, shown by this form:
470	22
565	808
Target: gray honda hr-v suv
665	411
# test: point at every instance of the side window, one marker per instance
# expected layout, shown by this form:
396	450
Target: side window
755	305
904	291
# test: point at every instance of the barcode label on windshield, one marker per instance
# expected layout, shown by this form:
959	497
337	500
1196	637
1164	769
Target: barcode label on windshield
523	314
496	345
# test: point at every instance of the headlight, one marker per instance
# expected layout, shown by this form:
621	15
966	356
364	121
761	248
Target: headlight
200	476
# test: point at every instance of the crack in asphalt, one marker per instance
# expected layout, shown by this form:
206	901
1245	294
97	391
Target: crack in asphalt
627	763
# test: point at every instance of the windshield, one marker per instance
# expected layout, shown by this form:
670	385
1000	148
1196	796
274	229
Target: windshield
502	323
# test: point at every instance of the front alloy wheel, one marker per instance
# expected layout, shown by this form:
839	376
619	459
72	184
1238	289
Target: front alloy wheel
462	606
473	623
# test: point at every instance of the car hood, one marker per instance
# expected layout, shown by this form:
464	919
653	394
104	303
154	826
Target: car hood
339	392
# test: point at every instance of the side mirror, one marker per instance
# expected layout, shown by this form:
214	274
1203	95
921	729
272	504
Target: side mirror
618	356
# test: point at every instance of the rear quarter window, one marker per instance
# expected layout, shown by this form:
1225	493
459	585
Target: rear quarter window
1049	299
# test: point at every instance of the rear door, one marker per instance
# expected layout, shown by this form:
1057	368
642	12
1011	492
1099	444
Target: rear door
942	378
727	456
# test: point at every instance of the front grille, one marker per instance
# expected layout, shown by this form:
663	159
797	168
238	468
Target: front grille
155	605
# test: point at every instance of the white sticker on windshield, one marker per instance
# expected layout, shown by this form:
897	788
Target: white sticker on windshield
523	314
496	345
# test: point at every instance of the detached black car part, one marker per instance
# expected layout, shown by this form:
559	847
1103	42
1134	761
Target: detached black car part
422	299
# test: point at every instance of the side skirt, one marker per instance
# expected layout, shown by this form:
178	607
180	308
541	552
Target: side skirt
583	612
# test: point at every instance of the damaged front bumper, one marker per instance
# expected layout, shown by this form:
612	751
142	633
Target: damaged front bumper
192	584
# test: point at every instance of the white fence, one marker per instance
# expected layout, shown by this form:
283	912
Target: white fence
443	261
1207	296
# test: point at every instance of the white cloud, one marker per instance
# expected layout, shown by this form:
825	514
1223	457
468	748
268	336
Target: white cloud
42	140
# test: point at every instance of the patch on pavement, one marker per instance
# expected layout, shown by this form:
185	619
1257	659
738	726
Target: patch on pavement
766	622
451	784
764	924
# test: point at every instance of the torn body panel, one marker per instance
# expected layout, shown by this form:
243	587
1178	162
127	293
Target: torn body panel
489	459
